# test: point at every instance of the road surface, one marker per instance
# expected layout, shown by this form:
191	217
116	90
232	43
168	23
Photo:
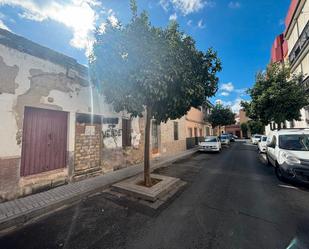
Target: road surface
232	200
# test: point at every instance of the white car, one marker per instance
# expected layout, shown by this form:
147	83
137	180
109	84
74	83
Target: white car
288	152
211	143
225	139
255	139
262	145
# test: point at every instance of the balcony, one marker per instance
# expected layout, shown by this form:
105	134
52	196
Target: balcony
301	43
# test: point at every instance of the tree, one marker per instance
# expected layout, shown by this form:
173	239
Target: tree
155	72
244	129
277	96
221	116
256	127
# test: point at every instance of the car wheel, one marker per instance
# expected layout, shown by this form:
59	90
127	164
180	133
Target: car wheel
280	174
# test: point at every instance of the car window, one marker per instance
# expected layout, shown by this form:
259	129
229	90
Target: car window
257	136
264	139
210	139
298	142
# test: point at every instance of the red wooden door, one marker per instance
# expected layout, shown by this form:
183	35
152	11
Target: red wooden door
44	141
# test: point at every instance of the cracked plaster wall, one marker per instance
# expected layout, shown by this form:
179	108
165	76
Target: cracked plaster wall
30	81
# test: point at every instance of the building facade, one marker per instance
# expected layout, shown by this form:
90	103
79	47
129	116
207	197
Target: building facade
196	126
55	126
235	129
292	47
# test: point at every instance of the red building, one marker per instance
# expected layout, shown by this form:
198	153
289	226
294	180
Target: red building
279	49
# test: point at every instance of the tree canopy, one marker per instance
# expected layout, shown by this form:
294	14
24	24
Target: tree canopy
277	95
221	116
138	65
256	127
244	129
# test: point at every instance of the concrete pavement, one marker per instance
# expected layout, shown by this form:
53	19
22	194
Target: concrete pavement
231	201
16	213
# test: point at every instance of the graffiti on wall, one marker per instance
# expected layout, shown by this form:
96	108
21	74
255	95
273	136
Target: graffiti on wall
112	133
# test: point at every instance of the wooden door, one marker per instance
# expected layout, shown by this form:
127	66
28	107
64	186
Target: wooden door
44	141
126	132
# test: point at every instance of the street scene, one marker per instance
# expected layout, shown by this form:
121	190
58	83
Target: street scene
232	200
154	124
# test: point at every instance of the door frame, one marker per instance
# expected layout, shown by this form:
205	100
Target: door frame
24	130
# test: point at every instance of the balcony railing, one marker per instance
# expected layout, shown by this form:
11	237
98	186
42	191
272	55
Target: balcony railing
301	43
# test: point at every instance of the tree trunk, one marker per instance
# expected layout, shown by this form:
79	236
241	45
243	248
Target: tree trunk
147	179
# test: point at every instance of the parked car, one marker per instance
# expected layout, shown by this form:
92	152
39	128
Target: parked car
225	139
211	143
232	138
256	138
235	137
288	152
262	145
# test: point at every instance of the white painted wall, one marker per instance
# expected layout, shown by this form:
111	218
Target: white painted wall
70	102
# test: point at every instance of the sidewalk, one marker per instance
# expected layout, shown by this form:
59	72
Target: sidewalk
20	211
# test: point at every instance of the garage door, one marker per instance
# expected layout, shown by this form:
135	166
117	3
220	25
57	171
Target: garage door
44	141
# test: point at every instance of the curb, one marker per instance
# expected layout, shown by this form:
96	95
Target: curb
14	222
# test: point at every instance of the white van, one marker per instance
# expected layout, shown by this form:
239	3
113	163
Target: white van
288	152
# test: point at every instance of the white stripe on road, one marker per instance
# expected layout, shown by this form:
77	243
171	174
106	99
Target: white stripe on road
288	186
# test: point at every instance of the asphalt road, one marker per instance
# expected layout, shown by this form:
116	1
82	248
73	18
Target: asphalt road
232	200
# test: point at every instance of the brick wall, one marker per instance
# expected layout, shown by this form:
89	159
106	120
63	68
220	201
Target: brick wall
87	150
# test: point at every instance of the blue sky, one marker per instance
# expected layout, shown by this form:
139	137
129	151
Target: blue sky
240	31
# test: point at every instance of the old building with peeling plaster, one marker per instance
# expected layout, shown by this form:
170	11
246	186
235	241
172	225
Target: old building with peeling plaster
55	127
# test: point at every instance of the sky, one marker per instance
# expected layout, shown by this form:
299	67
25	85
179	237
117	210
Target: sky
241	31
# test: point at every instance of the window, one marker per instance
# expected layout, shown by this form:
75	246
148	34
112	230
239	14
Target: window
298	142
126	132
175	130
190	132
195	132
201	132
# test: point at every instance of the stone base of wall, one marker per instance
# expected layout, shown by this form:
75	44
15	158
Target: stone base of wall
115	159
173	147
9	177
13	186
43	181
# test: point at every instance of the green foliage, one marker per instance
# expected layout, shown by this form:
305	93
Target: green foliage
221	116
276	96
138	65
133	7
256	127
244	128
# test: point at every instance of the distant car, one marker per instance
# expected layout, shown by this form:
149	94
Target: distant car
235	137
211	143
288	152
225	139
262	145
230	136
255	139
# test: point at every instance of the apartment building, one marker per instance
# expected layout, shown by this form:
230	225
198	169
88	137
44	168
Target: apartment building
292	47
